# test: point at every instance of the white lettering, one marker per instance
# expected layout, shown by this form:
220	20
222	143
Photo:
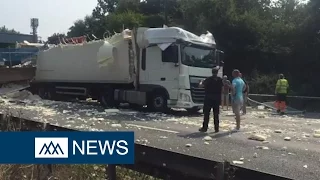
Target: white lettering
102	149
122	147
75	144
91	147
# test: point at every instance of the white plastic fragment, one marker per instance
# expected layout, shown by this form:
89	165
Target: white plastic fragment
278	131
207	138
188	145
257	137
116	125
287	138
237	162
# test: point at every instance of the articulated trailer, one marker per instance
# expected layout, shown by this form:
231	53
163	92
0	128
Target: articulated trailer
157	67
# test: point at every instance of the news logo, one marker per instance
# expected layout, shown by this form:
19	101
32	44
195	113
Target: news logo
67	147
50	147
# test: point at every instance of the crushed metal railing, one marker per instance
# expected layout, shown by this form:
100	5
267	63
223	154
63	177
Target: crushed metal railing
153	161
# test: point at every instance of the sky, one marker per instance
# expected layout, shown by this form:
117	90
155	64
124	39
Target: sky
55	16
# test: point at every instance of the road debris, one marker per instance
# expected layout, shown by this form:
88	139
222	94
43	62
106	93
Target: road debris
305	166
284	148
278	131
287	138
188	145
316	133
163	137
237	162
255	155
206	143
257	137
242	159
116	125
207	138
262	147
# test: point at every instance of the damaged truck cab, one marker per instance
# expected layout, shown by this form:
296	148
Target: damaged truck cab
157	67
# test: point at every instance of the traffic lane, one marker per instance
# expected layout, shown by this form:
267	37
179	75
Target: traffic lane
227	147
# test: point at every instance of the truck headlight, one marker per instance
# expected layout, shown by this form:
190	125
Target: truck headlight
184	97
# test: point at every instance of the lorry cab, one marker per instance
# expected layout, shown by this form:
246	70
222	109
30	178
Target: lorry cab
176	61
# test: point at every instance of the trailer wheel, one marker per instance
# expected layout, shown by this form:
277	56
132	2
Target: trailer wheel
107	100
158	102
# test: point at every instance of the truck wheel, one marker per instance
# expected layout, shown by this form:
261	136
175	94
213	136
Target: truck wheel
107	100
158	102
193	110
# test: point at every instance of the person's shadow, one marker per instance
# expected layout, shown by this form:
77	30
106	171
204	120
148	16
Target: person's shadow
196	135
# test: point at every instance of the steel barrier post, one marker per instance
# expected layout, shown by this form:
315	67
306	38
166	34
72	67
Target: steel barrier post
111	172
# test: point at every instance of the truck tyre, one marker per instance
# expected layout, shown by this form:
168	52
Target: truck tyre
158	102
107	100
193	110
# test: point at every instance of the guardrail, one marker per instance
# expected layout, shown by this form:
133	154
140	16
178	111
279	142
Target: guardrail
304	103
153	161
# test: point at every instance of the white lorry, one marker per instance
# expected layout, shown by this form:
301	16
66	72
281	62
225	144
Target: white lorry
157	67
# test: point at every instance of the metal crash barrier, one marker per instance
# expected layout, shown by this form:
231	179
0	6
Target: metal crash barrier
153	161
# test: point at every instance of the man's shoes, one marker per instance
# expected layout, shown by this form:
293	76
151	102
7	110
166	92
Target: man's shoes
203	129
216	131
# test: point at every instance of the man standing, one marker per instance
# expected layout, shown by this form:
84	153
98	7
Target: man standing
225	92
245	96
238	87
281	92
213	87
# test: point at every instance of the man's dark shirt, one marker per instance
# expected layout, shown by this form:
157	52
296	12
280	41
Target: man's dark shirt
213	88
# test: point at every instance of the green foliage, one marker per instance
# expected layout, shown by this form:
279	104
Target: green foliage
4	29
269	36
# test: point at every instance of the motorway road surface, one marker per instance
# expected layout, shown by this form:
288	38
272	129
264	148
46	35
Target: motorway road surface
298	158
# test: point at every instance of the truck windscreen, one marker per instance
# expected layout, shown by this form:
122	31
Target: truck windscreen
198	56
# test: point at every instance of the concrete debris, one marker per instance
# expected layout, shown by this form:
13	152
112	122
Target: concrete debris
289	153
284	148
163	137
265	142
262	147
287	138
255	155
116	125
237	162
111	110
206	143
305	166
207	138
316	133
306	135
66	111
188	145
242	159
261	107
257	137
278	131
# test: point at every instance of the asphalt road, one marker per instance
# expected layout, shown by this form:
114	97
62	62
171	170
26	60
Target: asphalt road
298	158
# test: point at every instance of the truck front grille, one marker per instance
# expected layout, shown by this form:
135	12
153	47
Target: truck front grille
197	94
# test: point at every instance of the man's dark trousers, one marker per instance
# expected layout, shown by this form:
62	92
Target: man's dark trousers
215	105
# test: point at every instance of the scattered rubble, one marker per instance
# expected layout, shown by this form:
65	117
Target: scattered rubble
116	125
262	147
278	131
188	145
257	137
207	138
287	138
316	133
238	162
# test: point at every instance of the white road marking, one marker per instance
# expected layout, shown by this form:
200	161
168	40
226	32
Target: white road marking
152	128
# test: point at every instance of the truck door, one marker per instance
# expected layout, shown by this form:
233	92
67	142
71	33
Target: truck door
161	68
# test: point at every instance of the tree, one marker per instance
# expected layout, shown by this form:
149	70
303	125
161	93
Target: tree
56	38
4	29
